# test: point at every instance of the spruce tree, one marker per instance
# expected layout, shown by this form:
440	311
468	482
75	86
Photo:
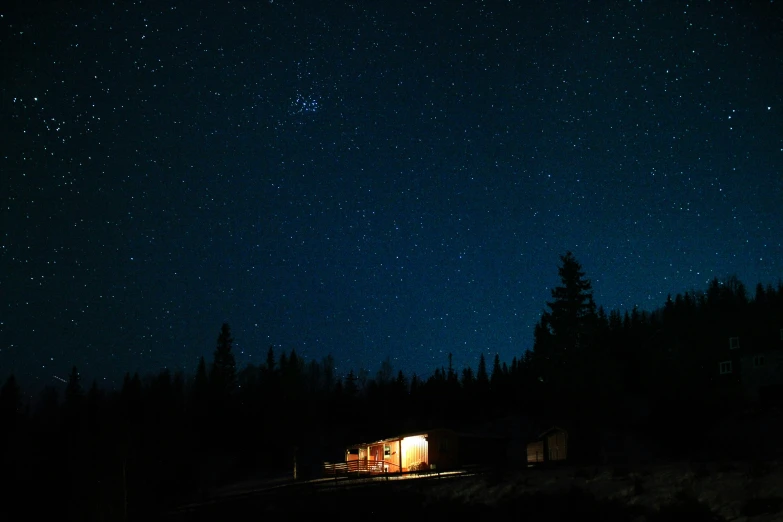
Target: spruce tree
270	360
566	329
328	373
350	384
467	377
200	383
415	385
401	384
48	408
73	391
497	374
572	310
761	296
10	402
452	375
386	372
223	378
482	378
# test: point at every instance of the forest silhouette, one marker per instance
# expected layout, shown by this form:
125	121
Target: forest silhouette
169	438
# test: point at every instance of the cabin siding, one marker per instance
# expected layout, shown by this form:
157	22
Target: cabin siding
557	445
535	452
443	450
433	449
551	446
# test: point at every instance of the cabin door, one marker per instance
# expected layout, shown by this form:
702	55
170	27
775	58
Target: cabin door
377	454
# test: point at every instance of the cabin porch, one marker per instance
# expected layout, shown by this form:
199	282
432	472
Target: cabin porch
394	455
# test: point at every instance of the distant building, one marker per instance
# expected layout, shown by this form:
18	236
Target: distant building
754	363
551	446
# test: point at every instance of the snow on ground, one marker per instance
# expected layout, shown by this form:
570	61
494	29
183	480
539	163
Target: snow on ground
751	491
714	491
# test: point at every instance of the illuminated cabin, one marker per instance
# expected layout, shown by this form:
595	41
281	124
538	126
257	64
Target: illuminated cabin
435	450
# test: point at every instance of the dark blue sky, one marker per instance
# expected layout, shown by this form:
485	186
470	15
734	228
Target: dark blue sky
370	178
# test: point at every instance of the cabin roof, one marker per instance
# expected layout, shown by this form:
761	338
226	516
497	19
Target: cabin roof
482	436
399	437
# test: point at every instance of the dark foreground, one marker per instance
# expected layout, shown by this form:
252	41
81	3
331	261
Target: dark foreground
502	495
394	502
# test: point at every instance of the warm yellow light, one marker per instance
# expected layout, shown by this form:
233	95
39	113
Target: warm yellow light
414	451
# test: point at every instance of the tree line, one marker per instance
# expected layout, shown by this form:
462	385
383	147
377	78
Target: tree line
167	438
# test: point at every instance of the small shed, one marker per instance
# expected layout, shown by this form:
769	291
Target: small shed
550	446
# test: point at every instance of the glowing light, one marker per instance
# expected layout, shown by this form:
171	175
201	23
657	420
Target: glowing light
414	451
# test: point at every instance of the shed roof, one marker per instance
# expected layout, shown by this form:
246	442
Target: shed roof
553	429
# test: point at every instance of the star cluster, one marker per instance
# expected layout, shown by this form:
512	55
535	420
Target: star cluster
371	179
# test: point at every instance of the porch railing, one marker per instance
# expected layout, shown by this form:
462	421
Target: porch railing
360	466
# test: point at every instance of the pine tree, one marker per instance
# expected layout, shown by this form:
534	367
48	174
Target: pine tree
572	310
497	373
291	376
452	375
482	378
328	373
223	378
350	384
467	378
293	363
48	408
94	399
73	431
545	355
415	385
567	328
73	391
270	360
283	364
10	402
737	290
761	296
401	384
131	398
386	372
200	382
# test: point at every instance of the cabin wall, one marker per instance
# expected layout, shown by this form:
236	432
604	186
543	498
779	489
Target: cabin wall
535	452
351	454
768	373
557	446
443	450
376	452
439	447
391	458
414	452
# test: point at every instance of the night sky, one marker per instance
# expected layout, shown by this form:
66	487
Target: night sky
370	178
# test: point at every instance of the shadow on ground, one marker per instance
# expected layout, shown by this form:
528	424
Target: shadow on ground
411	502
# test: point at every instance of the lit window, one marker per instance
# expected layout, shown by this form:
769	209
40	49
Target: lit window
725	367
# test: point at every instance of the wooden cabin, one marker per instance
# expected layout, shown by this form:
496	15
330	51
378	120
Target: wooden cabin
435	450
550	446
